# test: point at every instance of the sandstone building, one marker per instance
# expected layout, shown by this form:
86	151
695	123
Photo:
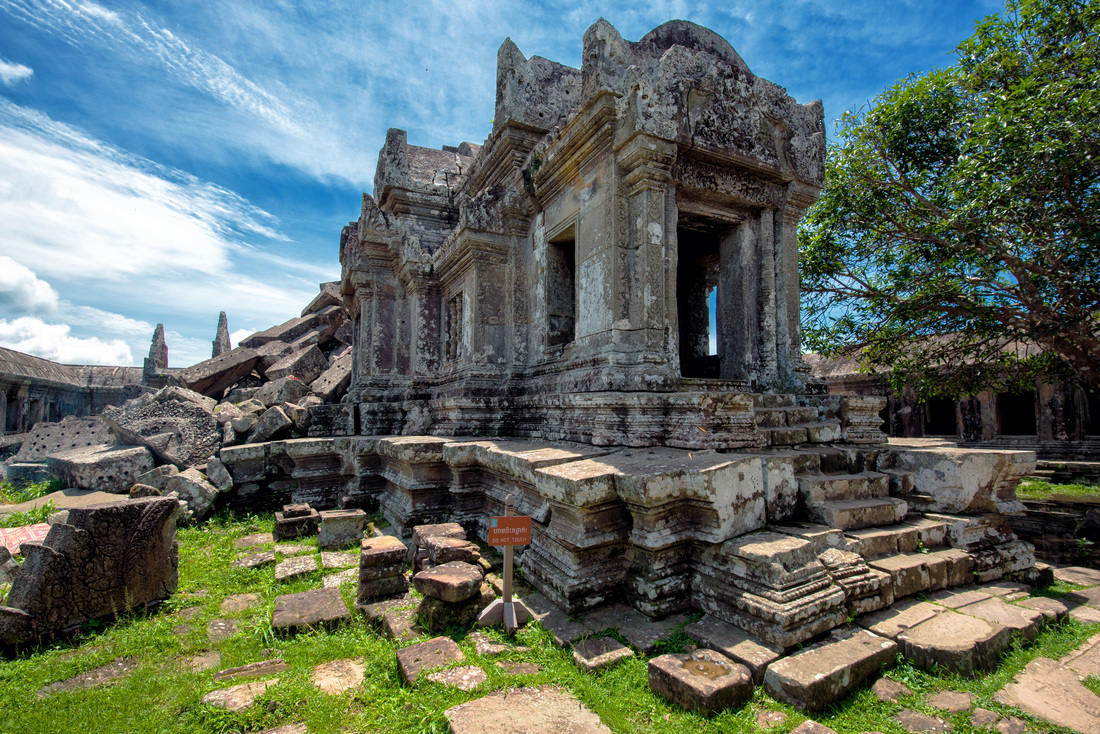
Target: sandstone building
554	282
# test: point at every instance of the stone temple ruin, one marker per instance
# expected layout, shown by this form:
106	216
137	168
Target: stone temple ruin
532	317
550	288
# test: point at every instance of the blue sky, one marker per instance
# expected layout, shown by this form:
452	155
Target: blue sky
161	162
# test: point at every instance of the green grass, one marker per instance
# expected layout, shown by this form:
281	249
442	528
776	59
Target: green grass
1037	490
30	517
163	694
12	493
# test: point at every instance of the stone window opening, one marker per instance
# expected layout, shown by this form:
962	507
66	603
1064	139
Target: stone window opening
1016	414
561	288
453	328
697	273
1092	417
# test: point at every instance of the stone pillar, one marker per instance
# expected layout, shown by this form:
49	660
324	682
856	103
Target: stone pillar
644	279
425	312
738	318
768	332
792	371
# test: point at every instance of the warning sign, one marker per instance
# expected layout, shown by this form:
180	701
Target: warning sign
512	530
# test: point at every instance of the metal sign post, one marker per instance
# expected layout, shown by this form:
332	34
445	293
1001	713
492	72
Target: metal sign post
507	531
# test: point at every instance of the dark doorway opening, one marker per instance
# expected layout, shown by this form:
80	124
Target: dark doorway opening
561	288
697	269
939	418
1016	414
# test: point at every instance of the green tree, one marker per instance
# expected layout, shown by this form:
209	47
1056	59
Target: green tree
957	237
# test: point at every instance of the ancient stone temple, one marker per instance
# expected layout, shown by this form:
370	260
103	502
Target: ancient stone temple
554	282
533	318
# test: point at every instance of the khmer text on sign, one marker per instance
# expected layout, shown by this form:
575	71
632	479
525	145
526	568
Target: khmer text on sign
513	530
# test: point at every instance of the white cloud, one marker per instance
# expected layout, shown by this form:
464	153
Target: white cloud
54	341
11	73
23	291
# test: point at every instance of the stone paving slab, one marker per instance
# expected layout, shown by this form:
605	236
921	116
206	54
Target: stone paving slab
239	697
599	653
220	629
565	631
638	629
823	673
1023	622
812	727
546	710
258	669
1052	609
292	568
736	644
207	660
903	616
1090	596
513	668
400	625
238	602
339	559
373	611
1078	575
309	609
1085	660
955	598
416	659
919	723
335	580
293	549
337	676
1052	692
1084	613
254	560
254	539
891	691
464	678
112	671
957	642
951	701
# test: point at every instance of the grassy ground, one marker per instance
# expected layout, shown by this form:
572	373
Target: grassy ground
1039	490
163	694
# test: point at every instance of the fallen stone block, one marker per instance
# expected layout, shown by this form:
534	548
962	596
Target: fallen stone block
824	673
1078	575
179	424
331	385
451	582
1023	622
211	377
444	550
918	723
544	709
271	424
115	670
704	681
296	521
101	560
435	653
1052	609
283	390
292	568
218	475
317	608
195	491
329	296
437	615
104	468
258	669
340	528
736	644
306	366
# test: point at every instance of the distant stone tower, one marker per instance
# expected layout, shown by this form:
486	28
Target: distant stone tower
221	341
155	371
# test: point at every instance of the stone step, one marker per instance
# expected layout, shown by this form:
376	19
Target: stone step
859	513
901	482
771	417
824	673
826	431
771	400
817	488
787	435
876	542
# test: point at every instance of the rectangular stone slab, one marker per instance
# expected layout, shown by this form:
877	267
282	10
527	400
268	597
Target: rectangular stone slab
736	644
956	642
826	672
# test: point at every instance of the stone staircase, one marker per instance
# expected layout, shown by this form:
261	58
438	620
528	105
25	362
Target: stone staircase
856	542
787	424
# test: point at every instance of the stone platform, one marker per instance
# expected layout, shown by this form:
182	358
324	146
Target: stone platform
739	535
